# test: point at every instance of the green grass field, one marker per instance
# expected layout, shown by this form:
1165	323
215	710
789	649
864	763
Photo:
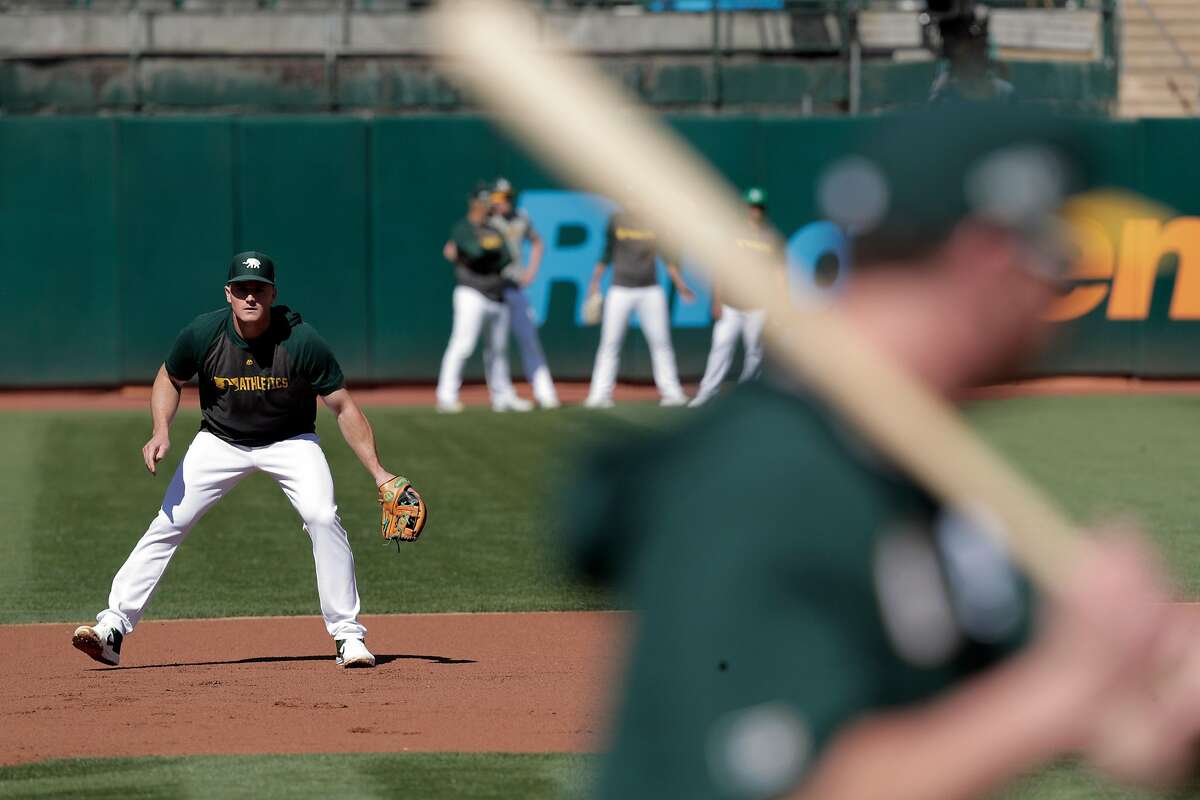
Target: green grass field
73	492
417	775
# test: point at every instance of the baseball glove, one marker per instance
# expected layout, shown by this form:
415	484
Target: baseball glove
404	512
593	308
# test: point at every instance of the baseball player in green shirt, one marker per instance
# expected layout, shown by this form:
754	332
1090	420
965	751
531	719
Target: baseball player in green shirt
733	322
811	623
517	228
479	253
631	248
261	369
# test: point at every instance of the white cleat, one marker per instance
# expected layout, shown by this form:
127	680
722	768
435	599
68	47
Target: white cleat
513	403
598	402
101	643
453	407
550	403
674	402
697	402
353	654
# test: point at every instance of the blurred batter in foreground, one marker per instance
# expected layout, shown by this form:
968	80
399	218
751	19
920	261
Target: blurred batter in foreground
810	622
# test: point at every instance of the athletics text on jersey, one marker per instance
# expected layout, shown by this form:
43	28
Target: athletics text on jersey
482	254
259	392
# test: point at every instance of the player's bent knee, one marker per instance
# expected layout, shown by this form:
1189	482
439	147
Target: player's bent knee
319	517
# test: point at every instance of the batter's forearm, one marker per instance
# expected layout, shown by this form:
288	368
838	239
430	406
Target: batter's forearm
164	401
964	745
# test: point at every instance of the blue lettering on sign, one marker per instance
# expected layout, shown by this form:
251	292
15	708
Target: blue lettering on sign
566	258
807	251
572	226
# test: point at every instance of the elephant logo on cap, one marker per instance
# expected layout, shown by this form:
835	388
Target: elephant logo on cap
252	263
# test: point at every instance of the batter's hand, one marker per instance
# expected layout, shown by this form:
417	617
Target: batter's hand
155	450
716	311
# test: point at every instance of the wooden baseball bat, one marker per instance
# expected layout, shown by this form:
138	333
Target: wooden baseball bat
585	129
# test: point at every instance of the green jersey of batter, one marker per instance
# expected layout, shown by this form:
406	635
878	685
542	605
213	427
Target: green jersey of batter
786	581
258	392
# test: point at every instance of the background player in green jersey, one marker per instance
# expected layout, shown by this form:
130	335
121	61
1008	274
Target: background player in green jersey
810	622
517	228
261	369
733	322
631	249
479	253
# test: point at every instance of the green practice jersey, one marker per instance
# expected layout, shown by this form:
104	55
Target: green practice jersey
786	581
259	392
482	254
632	249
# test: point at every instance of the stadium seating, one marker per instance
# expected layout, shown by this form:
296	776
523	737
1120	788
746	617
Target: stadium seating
1160	44
783	56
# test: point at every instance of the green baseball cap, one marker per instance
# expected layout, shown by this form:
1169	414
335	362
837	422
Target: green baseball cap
755	196
252	265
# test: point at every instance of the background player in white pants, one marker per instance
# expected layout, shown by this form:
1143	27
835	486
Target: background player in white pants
479	254
632	250
260	372
518	229
732	322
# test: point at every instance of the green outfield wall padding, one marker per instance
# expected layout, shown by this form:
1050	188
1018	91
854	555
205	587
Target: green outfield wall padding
302	196
175	184
115	231
61	306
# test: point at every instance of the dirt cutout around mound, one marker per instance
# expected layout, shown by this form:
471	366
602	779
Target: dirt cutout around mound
535	682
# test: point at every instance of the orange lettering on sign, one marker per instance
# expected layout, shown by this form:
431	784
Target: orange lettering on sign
1095	262
1183	236
1133	268
1133	285
1144	244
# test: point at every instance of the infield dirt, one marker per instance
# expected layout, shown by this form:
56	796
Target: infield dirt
533	682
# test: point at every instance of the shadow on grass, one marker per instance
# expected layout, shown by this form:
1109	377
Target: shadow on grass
379	661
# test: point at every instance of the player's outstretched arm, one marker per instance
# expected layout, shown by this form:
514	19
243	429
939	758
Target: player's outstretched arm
685	291
164	402
537	249
597	274
357	432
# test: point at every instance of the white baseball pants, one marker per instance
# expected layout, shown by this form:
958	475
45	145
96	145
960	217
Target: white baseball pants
733	322
651	305
533	359
210	468
475	313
